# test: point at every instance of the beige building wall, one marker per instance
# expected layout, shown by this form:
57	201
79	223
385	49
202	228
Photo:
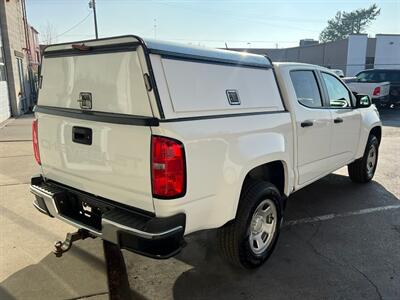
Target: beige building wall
14	43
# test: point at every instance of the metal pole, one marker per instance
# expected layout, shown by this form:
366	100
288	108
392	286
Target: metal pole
155	28
95	18
117	277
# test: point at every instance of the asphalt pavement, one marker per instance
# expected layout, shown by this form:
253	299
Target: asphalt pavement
340	241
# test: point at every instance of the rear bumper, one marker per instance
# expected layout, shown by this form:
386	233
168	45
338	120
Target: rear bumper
132	230
381	101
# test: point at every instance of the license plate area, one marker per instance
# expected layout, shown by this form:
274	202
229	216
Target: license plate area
79	209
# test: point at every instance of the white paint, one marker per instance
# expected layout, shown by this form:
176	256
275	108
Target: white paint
368	88
4	102
219	152
356	53
346	214
4	97
206	84
116	166
115	81
387	51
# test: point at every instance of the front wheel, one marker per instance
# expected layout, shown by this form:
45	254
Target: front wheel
249	240
363	169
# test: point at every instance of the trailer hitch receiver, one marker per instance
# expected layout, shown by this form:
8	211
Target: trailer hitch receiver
61	247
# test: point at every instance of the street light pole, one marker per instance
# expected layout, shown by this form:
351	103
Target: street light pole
92	5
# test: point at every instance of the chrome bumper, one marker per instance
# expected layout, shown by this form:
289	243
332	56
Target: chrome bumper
146	235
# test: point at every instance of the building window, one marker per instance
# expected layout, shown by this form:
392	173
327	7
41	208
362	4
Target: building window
369	62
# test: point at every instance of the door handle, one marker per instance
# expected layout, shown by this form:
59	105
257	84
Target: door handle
307	123
82	135
338	120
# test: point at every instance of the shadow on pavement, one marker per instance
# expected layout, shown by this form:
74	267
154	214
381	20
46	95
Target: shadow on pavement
350	258
390	117
80	272
359	254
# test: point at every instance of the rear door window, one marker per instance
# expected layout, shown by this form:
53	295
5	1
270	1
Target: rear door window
306	88
391	76
369	76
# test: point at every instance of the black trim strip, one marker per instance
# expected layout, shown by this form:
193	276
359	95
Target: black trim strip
276	82
152	77
101	49
97	116
184	119
134	120
209	60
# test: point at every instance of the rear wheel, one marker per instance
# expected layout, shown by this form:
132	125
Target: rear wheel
249	240
363	169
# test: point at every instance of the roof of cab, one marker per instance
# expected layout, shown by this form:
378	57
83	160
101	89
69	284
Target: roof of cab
203	53
299	64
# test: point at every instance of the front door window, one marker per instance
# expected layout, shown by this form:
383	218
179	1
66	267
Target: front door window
338	95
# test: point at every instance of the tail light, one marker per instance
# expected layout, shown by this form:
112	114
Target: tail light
377	91
35	141
168	168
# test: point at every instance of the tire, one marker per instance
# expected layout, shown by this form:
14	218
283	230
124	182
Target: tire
363	169
240	240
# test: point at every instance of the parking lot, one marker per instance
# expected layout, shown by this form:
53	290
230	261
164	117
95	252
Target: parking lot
340	241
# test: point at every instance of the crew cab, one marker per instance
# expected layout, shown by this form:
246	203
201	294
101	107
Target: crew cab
143	142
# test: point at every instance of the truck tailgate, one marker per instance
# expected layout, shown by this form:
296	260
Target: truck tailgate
115	166
93	145
367	88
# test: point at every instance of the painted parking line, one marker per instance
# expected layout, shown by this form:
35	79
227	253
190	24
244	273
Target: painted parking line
341	215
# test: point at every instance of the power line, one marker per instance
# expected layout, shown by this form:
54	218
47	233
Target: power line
74	26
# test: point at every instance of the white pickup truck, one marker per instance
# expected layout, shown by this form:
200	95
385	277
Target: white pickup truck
143	142
379	92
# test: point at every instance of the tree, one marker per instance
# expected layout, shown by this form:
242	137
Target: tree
346	23
48	34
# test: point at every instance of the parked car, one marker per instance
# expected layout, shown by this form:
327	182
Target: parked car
141	143
380	76
377	91
338	72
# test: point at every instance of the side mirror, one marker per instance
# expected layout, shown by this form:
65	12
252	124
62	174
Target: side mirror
362	101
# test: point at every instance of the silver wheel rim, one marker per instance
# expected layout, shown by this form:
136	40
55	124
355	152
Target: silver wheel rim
263	226
371	160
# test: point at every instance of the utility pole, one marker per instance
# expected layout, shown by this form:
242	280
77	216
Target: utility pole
92	5
155	28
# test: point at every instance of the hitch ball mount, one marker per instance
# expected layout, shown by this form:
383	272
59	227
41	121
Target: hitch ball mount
61	247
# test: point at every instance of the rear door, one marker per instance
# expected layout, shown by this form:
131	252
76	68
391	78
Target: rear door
313	126
94	118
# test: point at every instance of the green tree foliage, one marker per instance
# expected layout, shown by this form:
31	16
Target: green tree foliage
345	23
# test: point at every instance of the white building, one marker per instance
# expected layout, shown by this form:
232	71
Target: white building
352	55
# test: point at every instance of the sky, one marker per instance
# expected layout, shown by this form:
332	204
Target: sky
238	23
